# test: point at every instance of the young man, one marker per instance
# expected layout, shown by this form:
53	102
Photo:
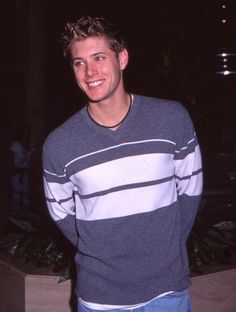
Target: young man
123	180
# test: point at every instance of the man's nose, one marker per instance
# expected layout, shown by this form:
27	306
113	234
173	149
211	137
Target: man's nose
91	69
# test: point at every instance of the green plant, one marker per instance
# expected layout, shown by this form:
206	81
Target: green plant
32	240
212	243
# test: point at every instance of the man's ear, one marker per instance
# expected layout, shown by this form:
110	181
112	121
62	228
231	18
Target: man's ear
123	59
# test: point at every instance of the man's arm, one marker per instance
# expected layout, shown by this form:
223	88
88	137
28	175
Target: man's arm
59	192
188	172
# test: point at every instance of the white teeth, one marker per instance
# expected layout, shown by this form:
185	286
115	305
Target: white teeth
95	83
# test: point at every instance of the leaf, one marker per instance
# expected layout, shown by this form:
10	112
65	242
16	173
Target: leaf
21	224
65	275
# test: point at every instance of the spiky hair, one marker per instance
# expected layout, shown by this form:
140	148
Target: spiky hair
87	27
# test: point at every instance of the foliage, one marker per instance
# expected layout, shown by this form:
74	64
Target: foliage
212	241
211	244
31	239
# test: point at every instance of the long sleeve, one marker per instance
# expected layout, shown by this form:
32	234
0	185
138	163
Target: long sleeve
59	194
188	172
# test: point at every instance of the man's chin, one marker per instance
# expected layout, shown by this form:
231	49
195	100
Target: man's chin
96	99
93	98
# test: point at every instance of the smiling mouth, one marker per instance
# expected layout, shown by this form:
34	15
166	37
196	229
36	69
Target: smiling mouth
95	83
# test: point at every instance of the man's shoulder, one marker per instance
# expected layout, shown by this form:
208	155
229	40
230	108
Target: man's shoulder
163	105
63	133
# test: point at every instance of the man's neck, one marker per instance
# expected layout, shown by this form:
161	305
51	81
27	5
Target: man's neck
110	112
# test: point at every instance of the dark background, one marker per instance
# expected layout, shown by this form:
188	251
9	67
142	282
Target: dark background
173	48
189	32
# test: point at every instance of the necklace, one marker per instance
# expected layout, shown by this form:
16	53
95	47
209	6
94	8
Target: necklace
116	125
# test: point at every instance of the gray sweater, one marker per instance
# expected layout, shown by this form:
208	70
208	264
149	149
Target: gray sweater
126	199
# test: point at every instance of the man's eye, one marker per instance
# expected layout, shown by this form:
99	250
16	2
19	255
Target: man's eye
78	63
100	58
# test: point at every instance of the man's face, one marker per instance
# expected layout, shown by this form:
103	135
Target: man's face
97	69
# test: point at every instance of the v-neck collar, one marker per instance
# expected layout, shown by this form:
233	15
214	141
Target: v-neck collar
106	131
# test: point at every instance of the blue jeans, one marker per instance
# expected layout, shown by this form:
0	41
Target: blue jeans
174	302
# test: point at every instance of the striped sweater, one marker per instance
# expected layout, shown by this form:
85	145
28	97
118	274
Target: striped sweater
126	199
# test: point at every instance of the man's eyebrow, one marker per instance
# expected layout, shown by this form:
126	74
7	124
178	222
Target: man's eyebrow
98	53
78	58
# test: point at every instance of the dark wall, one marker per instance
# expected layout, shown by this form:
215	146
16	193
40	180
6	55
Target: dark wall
172	46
